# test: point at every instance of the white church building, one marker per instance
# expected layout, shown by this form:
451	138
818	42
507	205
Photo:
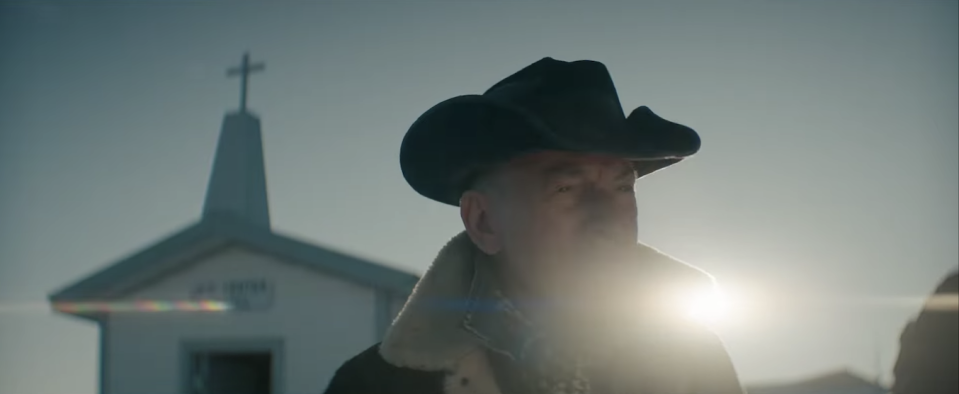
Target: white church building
226	305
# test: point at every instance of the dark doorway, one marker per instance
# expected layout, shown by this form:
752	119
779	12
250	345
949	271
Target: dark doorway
222	372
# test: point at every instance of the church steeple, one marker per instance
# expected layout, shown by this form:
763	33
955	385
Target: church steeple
237	187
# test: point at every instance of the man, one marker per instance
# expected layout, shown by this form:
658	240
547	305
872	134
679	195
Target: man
546	290
929	347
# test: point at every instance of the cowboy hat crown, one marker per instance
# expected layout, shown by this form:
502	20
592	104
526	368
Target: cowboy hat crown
548	105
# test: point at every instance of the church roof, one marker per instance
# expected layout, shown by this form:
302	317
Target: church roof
214	233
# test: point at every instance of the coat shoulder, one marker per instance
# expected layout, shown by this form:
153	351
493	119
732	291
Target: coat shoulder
659	268
369	373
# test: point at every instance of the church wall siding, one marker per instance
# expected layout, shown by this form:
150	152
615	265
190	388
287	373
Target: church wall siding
103	322
382	313
320	321
388	308
396	305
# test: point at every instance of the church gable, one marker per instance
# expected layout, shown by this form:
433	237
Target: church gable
246	280
200	241
311	320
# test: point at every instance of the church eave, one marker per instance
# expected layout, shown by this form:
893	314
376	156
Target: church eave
191	243
98	283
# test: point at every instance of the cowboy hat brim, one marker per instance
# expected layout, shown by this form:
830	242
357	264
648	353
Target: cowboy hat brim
458	137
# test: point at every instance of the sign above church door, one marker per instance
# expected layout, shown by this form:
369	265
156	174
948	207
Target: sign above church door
240	294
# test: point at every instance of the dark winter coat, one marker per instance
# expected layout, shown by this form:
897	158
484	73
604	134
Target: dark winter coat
427	351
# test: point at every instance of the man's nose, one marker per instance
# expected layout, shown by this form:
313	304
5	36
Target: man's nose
600	208
599	199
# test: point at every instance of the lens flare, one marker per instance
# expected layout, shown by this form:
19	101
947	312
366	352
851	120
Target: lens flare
142	306
708	306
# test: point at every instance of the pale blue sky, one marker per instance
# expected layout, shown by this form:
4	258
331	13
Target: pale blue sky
828	174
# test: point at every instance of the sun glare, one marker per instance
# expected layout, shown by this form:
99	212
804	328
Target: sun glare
708	306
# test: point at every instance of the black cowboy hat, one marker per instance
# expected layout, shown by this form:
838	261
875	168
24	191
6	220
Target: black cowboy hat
549	105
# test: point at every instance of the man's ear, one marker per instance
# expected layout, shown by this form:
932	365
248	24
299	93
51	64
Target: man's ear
475	212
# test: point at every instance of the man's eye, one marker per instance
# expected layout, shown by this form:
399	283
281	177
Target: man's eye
564	189
625	188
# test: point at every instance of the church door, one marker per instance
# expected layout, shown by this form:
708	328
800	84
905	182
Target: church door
223	370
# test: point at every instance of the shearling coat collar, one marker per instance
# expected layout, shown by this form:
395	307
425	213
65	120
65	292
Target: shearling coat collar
428	334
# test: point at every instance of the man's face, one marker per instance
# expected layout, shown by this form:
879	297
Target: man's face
558	216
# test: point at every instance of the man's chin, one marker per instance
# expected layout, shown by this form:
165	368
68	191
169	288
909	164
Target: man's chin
597	249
